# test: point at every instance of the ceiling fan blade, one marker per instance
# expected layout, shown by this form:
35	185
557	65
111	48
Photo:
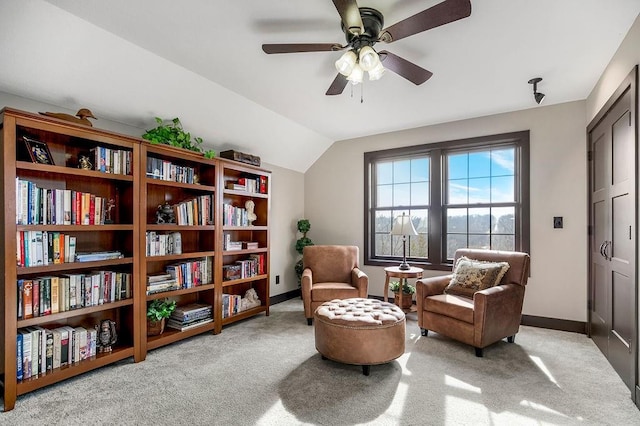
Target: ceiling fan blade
338	85
350	14
440	14
301	47
415	74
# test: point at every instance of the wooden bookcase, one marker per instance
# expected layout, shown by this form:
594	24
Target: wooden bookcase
237	229
198	239
66	143
136	197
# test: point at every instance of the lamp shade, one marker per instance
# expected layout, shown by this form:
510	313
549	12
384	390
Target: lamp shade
403	226
377	72
346	63
356	75
368	58
539	97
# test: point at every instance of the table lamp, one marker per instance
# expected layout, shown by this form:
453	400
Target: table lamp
403	226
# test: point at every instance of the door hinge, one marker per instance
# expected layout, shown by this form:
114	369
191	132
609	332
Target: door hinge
589	155
590	230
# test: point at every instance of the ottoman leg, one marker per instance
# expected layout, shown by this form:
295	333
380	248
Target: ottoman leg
424	332
309	321
366	369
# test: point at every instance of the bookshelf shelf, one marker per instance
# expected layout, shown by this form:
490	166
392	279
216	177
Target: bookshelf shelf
245	314
243	280
73	266
180	292
68	371
45	319
22	165
171	336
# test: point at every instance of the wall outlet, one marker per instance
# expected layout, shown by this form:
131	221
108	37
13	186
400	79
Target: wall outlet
557	221
277	279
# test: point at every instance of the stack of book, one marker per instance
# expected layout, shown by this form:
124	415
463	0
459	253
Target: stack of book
190	316
160	283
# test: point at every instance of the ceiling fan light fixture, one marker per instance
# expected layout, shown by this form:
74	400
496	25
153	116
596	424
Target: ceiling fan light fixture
539	97
346	63
377	72
368	58
356	75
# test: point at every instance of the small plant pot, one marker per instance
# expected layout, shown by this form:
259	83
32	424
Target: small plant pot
407	300
155	328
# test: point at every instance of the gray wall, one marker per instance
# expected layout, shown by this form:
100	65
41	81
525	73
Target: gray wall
558	285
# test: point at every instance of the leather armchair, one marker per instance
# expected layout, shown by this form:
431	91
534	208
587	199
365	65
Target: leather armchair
493	313
331	272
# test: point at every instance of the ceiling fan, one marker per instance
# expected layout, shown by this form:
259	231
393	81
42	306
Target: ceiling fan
363	28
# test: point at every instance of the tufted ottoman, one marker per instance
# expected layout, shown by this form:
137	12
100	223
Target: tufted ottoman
359	331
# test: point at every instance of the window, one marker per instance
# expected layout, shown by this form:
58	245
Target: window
468	193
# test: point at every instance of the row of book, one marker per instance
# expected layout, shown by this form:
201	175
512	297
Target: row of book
181	275
43	206
230	304
158	168
53	294
198	211
251	183
229	245
163	244
250	267
41	248
190	316
107	160
234	216
41	350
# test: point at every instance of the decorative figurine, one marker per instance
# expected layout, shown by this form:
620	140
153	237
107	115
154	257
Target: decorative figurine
107	335
82	116
110	205
165	214
84	163
251	216
250	300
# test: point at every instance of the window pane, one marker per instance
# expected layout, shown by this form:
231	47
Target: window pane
383	221
503	220
420	194
402	194
502	189
479	221
479	241
420	170
502	162
479	164
384	196
479	190
396	245
418	246
457	166
458	191
384	173
454	242
457	220
503	242
382	244
420	219
401	171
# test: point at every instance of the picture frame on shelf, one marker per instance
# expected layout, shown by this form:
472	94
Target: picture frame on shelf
38	151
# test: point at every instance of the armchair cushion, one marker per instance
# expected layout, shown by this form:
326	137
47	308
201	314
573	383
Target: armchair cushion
471	275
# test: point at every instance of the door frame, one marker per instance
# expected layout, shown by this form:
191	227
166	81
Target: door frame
629	83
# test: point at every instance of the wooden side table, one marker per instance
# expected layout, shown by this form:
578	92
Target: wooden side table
404	275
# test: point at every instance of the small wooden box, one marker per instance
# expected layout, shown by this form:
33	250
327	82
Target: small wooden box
254	160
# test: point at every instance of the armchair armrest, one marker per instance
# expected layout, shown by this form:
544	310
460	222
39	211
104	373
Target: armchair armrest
360	280
497	312
305	284
428	287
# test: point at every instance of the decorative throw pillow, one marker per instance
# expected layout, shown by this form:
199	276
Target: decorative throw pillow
471	275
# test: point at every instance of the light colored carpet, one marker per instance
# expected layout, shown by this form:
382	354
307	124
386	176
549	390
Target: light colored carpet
265	371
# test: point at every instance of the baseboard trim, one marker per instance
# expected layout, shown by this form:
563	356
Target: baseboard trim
554	324
273	300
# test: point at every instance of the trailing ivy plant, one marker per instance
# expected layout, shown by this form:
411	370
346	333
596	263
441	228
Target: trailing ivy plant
171	132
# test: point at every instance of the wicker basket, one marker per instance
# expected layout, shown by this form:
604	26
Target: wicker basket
407	300
155	328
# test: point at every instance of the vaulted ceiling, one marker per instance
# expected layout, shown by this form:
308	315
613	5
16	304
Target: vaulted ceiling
201	60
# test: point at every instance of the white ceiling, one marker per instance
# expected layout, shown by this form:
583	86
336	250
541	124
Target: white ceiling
201	60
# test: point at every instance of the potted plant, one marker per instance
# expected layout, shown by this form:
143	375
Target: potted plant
303	227
173	134
157	313
407	293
